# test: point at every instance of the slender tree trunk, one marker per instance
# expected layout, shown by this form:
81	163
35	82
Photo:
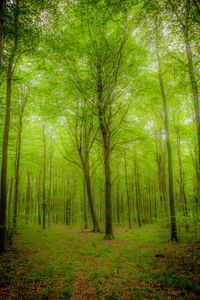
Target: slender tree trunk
28	196
38	198
109	223
122	204
2	15
44	183
127	190
86	168
149	204
101	202
50	180
169	152
155	200
181	178
10	203
137	189
17	177
84	206
118	201
195	91
107	149
3	199
160	159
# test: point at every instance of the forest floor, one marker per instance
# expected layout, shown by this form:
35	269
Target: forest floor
63	263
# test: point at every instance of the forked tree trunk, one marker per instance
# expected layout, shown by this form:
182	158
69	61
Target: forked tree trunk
90	198
107	150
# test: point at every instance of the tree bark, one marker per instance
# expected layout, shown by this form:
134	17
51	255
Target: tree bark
195	92
84	206
17	177
3	198
106	149
127	190
38	198
28	196
137	189
2	16
10	202
50	180
89	194
118	202
169	152
181	177
160	159
44	183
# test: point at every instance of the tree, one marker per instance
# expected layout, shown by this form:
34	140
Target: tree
22	104
3	198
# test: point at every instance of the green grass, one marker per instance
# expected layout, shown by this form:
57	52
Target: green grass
49	262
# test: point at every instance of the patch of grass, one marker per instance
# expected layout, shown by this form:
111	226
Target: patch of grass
67	291
50	270
158	295
6	259
5	276
53	259
177	281
136	292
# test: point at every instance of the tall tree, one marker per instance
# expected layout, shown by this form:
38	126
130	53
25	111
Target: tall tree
3	198
169	151
18	157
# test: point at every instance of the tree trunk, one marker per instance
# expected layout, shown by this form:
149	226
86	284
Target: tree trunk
107	149
44	183
18	156
169	152
195	92
2	15
50	180
90	198
84	157
109	226
28	195
10	203
3	198
127	190
118	201
181	178
160	159
137	190
84	206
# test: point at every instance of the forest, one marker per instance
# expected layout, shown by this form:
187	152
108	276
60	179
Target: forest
99	149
